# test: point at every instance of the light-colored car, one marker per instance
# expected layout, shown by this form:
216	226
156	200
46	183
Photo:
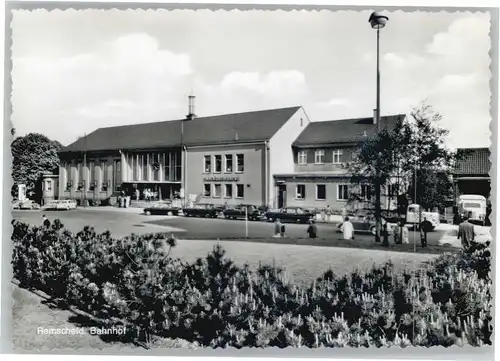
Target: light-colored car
25	204
60	205
481	235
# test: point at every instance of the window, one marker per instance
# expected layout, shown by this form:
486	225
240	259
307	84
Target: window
218	164
337	156
217	190
207	190
240	190
240	163
302	157
155	167
92	176
300	191
145	167
228	192
140	164
117	175
79	169
366	192
69	176
319	157
320	192
228	163
49	185
342	192
135	167
104	175
207	164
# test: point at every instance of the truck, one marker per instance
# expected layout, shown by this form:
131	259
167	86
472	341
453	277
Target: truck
413	216
473	206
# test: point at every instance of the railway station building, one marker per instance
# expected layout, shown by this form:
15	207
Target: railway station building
224	159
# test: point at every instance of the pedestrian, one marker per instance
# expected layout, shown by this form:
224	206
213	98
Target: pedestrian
466	232
385	235
277	228
328	213
137	194
425	227
45	222
397	233
404	234
282	230
347	229
312	230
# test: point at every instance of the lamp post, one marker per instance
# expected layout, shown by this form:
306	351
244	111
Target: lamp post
377	22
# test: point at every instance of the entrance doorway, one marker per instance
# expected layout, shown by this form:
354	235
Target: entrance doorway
281	195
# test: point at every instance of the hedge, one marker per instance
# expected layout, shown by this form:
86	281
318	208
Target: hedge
216	303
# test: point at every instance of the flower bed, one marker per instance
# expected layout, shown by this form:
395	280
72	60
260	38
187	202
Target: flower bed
216	303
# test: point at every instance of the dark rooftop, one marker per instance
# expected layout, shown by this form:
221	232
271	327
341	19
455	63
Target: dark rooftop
221	129
472	161
342	131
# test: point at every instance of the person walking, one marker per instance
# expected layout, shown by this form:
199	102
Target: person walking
45	222
397	233
312	230
137	195
385	235
347	229
404	234
466	232
328	213
425	227
277	228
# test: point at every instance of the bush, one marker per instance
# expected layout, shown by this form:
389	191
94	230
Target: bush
216	303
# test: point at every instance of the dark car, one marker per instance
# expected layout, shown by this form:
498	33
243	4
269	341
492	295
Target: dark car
365	223
290	214
162	209
254	213
202	210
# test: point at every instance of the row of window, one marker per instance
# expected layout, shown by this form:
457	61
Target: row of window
217	163
75	176
154	166
227	190
319	156
343	192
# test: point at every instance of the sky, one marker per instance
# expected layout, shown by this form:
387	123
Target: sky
75	71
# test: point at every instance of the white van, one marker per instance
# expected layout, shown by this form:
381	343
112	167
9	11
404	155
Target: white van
472	205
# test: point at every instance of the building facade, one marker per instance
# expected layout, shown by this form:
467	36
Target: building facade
320	178
221	159
471	173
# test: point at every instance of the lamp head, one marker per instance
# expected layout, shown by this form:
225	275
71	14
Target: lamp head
377	21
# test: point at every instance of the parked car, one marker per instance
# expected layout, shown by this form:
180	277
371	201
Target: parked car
366	224
290	214
254	213
162	209
25	204
60	204
207	210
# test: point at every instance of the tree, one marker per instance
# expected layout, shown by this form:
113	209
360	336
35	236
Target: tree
33	155
403	150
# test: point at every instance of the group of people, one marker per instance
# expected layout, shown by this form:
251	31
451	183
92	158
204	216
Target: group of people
279	229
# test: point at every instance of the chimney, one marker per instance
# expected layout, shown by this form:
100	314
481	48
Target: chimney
374	116
191	114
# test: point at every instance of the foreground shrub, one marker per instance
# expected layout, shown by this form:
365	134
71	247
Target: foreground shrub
217	303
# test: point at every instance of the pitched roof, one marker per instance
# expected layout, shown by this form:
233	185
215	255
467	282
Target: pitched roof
342	131
472	161
221	129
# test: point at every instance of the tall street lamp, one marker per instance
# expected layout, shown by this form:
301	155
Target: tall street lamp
377	21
